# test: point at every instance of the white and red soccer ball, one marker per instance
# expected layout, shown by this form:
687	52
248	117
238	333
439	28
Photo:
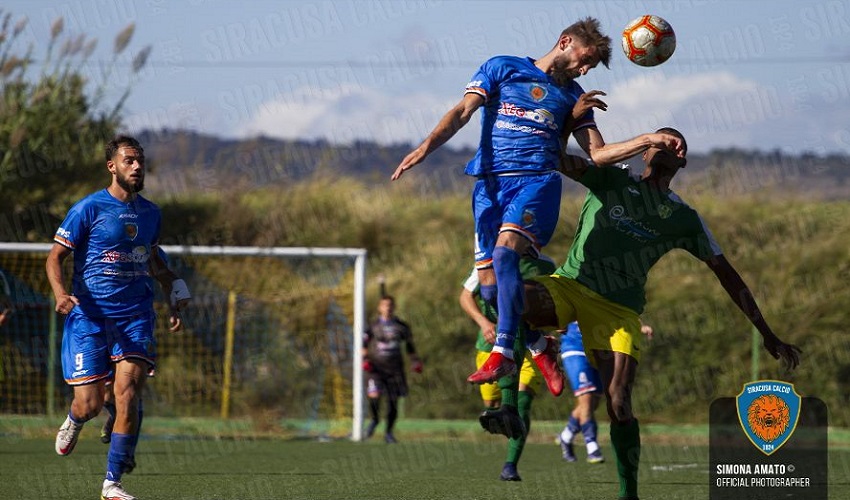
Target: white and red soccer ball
648	40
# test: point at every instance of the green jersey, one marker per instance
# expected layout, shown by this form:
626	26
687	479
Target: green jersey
625	226
528	268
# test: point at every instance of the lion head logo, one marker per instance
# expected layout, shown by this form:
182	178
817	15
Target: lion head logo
768	416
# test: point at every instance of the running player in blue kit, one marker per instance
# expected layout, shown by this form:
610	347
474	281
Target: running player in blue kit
530	107
587	389
109	328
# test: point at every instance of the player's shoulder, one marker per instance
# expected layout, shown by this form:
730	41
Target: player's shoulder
141	200
683	208
98	197
506	63
675	198
507	60
92	201
610	176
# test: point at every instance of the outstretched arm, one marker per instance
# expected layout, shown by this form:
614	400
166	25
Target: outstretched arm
593	144
743	298
448	126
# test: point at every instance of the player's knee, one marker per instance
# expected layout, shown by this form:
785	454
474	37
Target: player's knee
505	258
86	408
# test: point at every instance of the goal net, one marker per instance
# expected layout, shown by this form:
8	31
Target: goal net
272	334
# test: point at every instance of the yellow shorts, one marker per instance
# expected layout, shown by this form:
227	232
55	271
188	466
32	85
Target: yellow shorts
528	376
604	325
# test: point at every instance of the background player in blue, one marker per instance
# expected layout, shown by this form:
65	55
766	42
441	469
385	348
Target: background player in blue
529	112
587	389
109	327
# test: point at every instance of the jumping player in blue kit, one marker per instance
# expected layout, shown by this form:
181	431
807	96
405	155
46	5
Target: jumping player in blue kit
109	328
530	108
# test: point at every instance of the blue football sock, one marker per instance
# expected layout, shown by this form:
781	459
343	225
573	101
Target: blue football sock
510	295
489	294
78	421
121	449
532	337
588	429
570	430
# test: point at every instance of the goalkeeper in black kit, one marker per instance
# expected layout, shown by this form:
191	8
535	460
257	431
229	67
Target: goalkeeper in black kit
384	364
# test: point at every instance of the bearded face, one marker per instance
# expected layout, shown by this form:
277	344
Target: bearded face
130	182
129	169
561	71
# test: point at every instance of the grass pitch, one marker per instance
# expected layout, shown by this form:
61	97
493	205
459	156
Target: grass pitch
448	465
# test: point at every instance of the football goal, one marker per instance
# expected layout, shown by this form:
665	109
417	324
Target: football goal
272	334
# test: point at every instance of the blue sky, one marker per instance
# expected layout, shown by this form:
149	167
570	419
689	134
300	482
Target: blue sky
751	74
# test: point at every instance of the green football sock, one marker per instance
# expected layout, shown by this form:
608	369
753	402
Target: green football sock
625	439
515	446
510	387
510	384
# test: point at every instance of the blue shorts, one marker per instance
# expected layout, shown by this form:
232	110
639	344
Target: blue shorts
91	345
583	377
525	204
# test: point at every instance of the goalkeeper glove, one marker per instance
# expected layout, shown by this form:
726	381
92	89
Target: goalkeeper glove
367	366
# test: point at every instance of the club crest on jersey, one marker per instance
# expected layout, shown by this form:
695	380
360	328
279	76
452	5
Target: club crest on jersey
768	411
664	211
131	229
528	218
538	93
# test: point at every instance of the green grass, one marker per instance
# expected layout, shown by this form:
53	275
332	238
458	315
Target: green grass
456	461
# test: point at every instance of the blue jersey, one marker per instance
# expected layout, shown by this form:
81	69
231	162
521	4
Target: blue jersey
523	116
112	243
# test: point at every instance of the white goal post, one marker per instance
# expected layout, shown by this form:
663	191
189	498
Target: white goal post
358	320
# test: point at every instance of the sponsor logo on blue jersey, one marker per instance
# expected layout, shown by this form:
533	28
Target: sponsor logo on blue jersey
540	116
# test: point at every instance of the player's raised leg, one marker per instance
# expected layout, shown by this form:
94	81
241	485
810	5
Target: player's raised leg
85	406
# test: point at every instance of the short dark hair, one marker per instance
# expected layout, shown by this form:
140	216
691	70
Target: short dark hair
121	140
589	32
672	131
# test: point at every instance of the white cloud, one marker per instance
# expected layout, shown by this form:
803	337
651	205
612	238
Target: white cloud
349	113
716	109
713	110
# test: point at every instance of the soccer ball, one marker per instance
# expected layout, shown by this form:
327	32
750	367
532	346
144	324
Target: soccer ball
648	40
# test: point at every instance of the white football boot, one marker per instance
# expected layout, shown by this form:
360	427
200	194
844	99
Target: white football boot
112	490
67	436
